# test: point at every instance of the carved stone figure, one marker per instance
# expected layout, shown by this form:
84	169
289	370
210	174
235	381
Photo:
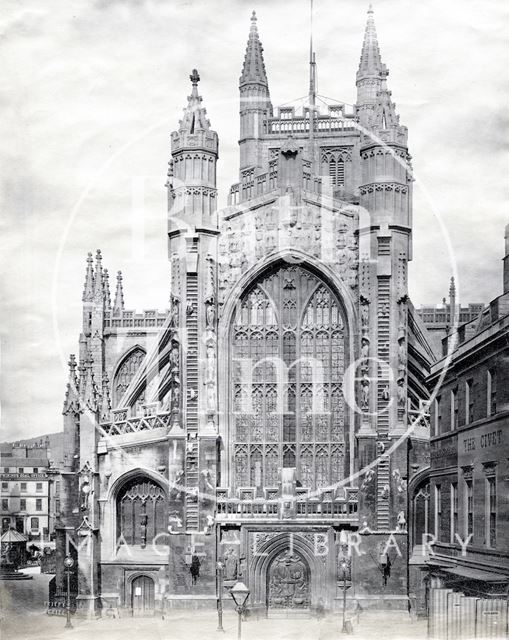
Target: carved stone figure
231	565
210	318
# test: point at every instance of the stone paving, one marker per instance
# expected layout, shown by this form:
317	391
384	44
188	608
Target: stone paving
24	618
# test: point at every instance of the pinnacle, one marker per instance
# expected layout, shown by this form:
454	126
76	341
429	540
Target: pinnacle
118	305
88	289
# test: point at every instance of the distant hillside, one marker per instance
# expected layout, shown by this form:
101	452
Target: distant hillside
56	441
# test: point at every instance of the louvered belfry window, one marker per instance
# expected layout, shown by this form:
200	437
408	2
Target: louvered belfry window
337	171
287	361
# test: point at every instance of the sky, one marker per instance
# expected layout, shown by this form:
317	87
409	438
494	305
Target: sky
91	90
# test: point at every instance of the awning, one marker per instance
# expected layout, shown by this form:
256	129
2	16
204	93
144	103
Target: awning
476	574
11	535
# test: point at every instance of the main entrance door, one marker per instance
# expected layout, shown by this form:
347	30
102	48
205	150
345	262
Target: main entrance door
288	582
142	596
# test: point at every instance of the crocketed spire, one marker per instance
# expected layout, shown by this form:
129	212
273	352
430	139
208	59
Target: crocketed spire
88	289
118	305
371	62
195	116
253	71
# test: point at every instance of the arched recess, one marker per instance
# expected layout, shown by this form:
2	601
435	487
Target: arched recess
420	516
277	547
140	510
292	324
125	371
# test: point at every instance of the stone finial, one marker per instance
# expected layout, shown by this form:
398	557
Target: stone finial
195	115
99	278
106	289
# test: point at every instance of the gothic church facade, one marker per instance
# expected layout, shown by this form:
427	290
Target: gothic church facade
246	432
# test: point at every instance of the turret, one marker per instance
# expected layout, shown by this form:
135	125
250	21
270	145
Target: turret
192	194
255	104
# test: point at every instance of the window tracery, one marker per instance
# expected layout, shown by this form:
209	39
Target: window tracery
124	375
287	363
141	512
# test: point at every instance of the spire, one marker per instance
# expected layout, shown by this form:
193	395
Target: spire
105	400
88	290
371	62
106	289
118	305
312	64
99	278
195	116
253	71
71	402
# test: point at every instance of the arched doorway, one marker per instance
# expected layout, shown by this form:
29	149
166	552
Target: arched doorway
288	581
142	595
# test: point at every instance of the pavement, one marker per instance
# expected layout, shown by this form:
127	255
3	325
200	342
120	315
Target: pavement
23	617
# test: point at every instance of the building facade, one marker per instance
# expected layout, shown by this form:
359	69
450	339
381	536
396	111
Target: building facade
261	423
30	489
461	504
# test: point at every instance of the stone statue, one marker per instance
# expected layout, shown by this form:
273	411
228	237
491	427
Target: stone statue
210	315
231	565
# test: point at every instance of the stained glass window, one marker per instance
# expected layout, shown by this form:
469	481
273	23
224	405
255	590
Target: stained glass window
287	363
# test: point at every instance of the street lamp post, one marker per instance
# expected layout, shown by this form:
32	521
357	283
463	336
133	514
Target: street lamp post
68	563
240	593
344	564
344	567
219	570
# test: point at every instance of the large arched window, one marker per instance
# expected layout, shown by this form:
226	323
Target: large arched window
125	373
287	362
141	512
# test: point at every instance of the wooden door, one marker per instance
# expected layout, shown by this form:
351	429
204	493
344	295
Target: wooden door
142	595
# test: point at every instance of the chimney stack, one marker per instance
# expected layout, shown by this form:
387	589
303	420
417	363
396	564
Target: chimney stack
506	260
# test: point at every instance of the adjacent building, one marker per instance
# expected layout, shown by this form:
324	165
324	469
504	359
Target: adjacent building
29	489
461	503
